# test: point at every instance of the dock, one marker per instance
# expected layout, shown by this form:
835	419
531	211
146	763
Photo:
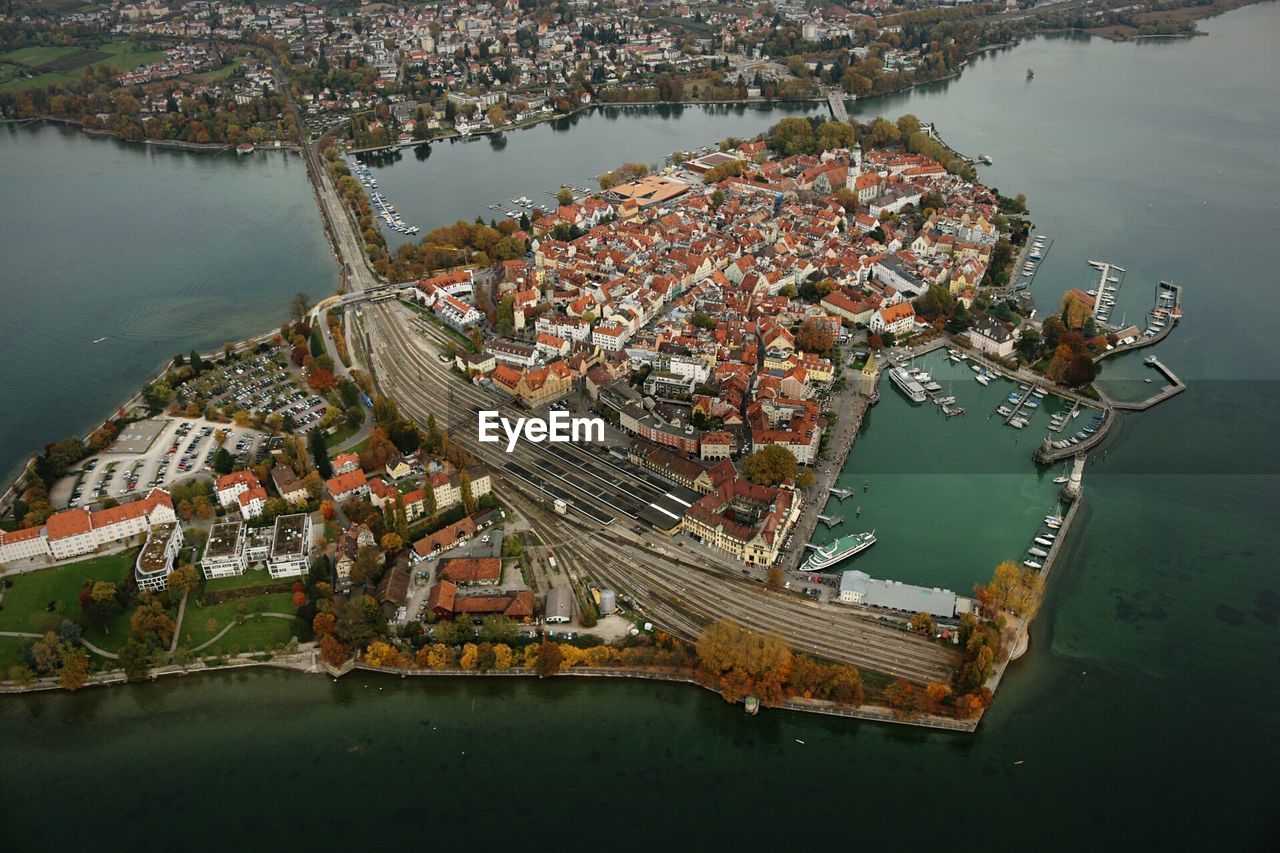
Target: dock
1101	312
839	494
1018	408
1175	386
831	520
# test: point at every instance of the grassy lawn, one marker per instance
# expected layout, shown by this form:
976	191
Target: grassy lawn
114	635
9	653
196	627
28	604
251	578
216	75
60	64
344	434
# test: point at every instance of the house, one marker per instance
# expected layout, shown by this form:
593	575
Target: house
992	337
440	599
290	554
155	561
288	485
229	487
346	486
354	538
744	519
445	538
224	551
472	571
898	319
392	590
251	502
345	462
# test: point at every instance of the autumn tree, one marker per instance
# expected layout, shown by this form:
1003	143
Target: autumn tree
745	663
922	623
152	624
1013	588
815	335
770	466
75	669
100	602
298	306
549	657
184	579
902	698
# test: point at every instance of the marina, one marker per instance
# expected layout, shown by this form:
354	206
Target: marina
1104	295
1034	253
385	210
980	503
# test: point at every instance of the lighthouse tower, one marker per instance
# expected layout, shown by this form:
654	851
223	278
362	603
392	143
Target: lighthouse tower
1075	484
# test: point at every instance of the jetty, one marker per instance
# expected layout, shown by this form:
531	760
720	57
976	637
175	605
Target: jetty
1022	402
1101	311
831	520
1176	386
839	494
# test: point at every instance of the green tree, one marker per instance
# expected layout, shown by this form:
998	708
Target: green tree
223	461
135	659
320	452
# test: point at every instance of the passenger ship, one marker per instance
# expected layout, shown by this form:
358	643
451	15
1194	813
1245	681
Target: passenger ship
841	549
907	385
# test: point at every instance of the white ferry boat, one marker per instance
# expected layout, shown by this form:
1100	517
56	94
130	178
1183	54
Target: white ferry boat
908	386
841	549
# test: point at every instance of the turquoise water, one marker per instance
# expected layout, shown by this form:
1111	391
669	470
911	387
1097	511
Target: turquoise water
156	250
1143	712
948	498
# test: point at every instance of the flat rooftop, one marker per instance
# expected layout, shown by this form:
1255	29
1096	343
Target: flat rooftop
224	540
153	557
290	539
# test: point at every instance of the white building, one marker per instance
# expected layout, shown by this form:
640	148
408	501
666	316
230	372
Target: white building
290	546
155	561
224	552
73	532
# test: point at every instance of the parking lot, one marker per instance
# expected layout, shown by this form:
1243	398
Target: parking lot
263	383
180	448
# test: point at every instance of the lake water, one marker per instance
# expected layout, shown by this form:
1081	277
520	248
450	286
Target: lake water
437	185
153	249
1143	713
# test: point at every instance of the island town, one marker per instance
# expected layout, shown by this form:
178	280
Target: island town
318	497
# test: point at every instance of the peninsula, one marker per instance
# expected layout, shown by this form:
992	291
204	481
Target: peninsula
321	497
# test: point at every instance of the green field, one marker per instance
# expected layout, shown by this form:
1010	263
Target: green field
9	654
196	630
60	64
251	578
30	604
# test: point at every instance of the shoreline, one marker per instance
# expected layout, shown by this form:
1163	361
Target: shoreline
306	663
